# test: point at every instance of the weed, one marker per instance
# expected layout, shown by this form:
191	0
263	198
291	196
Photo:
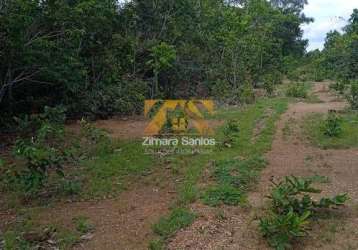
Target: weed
157	244
317	179
231	131
338	86
177	219
333	126
291	210
298	90
353	95
223	194
280	230
83	225
315	126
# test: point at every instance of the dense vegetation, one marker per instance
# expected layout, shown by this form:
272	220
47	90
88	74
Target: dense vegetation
103	57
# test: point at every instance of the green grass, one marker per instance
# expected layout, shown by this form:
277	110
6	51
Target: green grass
14	238
178	218
233	178
314	129
83	224
108	173
223	194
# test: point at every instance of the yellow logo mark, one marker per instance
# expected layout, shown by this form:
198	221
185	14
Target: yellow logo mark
178	124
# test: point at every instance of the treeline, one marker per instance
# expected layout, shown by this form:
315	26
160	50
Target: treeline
339	58
104	57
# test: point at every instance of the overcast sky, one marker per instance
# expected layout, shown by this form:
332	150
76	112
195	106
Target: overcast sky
329	15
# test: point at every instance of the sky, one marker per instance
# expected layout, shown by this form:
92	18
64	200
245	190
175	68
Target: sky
329	15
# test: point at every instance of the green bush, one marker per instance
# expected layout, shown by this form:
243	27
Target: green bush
297	90
281	229
291	210
270	81
338	86
247	95
353	95
332	125
39	158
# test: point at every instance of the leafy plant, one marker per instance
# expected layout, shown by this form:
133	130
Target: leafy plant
353	95
280	230
338	86
291	209
39	160
332	125
297	90
83	224
231	130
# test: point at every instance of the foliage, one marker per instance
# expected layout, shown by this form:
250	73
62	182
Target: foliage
40	153
99	58
315	127
223	194
83	225
340	54
233	178
177	219
332	126
291	210
281	229
353	95
297	90
338	86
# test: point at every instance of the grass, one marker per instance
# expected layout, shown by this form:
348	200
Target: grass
107	174
233	178
313	128
18	237
83	224
178	218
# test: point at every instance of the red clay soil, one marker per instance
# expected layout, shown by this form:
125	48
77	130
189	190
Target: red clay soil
121	223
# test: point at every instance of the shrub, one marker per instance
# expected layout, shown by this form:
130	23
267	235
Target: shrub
332	125
247	95
281	229
291	209
270	80
39	149
297	90
39	159
338	86
353	95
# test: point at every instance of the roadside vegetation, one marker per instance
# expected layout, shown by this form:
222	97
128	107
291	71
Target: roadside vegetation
66	64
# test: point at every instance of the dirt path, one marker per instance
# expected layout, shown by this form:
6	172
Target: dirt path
236	228
123	223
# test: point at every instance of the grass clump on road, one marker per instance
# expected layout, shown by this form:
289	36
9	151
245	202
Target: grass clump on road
178	218
233	178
